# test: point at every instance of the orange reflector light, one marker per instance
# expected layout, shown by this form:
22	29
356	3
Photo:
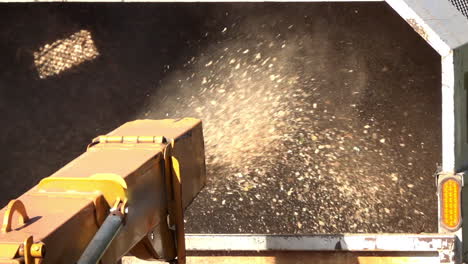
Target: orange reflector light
450	203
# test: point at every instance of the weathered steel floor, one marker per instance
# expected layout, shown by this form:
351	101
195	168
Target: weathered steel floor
318	118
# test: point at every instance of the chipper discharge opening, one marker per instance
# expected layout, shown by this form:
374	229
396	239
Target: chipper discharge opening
123	194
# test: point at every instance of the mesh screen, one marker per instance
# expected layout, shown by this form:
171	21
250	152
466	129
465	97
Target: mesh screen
63	54
461	5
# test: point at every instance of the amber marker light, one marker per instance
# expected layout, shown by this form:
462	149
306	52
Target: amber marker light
450	203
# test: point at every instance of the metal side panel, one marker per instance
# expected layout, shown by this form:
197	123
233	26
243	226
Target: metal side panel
314	257
317	1
460	86
429	248
438	22
336	249
347	242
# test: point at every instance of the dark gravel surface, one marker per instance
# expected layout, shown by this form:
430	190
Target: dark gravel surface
318	118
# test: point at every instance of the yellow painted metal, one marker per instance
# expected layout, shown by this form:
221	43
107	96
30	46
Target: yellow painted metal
31	252
8	250
12	207
111	186
67	208
37	250
26	252
129	139
123	207
12	261
179	211
176	206
176	169
110	177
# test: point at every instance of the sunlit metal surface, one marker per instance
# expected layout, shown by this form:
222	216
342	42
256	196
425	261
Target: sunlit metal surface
349	242
410	245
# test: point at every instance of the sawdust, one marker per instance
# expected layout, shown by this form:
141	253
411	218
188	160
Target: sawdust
301	135
317	119
242	101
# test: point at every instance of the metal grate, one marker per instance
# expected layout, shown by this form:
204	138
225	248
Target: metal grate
63	54
461	5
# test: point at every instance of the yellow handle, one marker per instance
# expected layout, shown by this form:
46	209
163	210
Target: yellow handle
14	206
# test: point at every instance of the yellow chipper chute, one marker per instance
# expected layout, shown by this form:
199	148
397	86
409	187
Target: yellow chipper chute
126	195
123	195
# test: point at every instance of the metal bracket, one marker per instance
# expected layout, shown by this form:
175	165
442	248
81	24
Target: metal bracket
28	249
12	207
112	186
174	190
128	140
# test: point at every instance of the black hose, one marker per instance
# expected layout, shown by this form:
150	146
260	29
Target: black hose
102	239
